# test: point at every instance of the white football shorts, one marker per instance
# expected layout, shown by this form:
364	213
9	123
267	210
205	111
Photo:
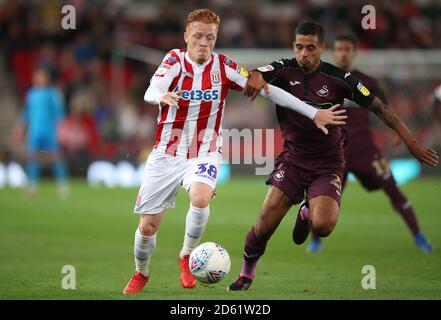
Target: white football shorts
164	175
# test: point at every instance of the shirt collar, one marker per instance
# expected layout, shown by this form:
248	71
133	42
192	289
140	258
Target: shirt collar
318	70
195	64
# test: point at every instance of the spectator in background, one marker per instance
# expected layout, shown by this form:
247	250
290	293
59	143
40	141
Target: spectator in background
41	116
79	133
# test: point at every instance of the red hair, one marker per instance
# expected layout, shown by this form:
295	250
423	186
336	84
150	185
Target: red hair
203	15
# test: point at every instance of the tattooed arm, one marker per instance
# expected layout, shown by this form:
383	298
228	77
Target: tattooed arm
389	117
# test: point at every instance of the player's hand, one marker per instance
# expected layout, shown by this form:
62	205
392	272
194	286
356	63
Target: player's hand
423	154
254	84
324	117
171	99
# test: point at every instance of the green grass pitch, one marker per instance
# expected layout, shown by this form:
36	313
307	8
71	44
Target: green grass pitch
93	231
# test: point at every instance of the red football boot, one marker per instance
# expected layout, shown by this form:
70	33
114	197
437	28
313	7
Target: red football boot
136	284
187	279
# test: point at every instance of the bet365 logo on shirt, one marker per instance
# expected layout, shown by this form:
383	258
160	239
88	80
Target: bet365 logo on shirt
199	95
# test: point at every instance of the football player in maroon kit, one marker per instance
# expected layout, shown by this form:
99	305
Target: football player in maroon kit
311	165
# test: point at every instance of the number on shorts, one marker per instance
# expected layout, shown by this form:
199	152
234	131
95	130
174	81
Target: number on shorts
381	167
202	167
212	170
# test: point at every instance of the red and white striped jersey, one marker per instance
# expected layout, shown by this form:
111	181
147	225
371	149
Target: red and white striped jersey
195	127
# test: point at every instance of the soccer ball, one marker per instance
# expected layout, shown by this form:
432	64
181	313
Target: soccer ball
209	262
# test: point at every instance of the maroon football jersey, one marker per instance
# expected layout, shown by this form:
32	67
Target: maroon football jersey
304	144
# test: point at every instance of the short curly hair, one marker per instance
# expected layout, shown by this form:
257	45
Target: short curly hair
203	15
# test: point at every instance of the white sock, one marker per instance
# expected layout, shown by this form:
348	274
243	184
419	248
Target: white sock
195	223
144	246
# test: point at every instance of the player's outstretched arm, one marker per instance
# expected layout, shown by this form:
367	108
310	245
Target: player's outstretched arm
321	117
389	117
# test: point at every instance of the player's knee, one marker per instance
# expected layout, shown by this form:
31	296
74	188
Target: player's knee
322	228
200	195
323	232
200	201
148	228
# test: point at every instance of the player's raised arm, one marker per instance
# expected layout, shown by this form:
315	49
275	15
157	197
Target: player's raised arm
321	117
362	96
239	77
389	117
157	92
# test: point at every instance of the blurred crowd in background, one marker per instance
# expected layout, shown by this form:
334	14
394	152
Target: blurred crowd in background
106	115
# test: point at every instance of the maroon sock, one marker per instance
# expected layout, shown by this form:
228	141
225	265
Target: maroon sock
254	249
403	206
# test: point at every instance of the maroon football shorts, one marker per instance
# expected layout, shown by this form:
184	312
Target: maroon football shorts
299	183
370	168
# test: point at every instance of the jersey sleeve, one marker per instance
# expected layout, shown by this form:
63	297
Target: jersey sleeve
270	72
160	82
237	76
287	100
359	93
